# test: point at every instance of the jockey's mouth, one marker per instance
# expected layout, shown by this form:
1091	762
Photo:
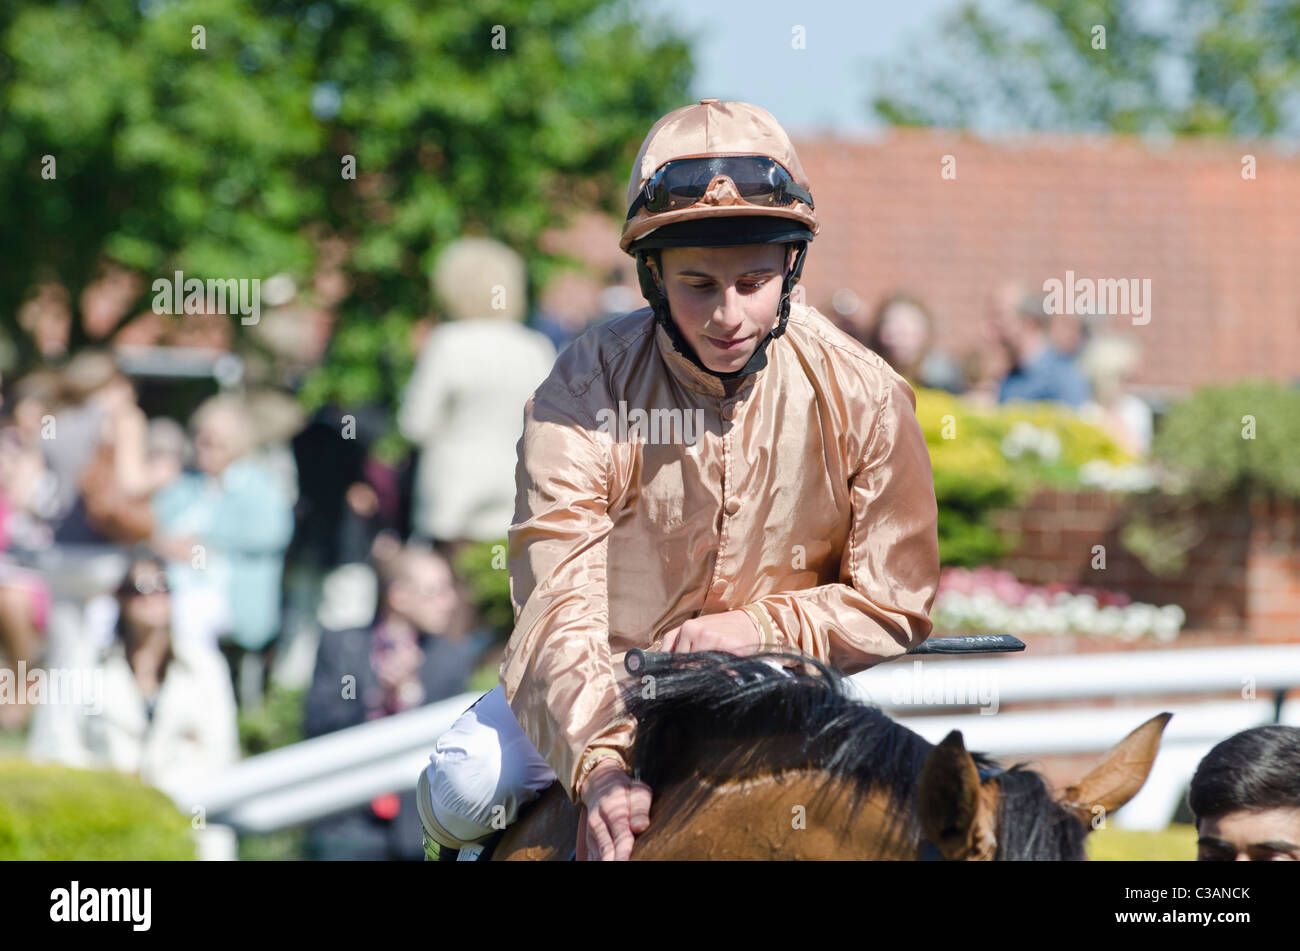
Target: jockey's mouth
729	344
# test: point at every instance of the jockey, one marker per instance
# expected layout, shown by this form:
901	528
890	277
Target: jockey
723	470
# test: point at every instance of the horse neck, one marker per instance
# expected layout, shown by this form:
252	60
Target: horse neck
803	814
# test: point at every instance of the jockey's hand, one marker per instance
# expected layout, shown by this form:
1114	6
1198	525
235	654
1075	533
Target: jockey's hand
618	808
730	631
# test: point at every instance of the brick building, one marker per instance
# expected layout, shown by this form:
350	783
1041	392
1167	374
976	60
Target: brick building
1221	251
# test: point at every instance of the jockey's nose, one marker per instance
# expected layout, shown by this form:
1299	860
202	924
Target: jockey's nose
729	316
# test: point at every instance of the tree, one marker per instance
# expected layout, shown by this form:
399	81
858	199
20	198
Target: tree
1205	67
219	138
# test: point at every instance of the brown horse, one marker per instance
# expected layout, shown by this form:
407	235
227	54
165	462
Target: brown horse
750	761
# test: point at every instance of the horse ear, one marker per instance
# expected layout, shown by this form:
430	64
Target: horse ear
1120	774
953	814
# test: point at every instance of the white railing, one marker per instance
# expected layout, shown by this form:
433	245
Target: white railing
316	777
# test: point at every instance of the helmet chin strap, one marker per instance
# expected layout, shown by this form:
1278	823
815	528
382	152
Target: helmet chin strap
659	305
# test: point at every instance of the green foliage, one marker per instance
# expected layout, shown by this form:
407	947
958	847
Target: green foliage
283	845
229	161
277	723
1224	444
973	478
1208	442
1216	67
486	677
483	566
52	813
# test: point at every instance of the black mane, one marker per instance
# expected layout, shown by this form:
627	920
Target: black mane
720	717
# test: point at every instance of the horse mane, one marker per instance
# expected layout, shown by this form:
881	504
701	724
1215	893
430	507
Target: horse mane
768	720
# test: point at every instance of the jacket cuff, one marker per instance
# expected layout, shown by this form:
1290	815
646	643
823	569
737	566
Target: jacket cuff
764	624
588	763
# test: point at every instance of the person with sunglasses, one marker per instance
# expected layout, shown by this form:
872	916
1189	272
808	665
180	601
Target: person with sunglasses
161	710
797	513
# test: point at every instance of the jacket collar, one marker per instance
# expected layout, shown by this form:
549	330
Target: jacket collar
691	376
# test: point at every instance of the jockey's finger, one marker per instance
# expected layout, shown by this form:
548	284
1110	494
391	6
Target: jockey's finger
620	824
600	844
670	639
582	848
640	799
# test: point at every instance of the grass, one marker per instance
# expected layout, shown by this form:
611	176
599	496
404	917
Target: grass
1177	843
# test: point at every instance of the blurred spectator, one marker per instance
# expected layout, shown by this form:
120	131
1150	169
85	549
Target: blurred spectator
95	397
116	483
405	659
1039	372
47	316
224	531
336	517
559	329
902	332
1068	334
168	452
1245	796
847	313
24	595
1109	361
26	482
165	710
275	418
465	401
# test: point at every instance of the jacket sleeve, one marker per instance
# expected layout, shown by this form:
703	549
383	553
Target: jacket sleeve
557	671
889	571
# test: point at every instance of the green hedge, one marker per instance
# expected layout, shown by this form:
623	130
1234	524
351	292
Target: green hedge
55	813
973	478
483	566
1242	439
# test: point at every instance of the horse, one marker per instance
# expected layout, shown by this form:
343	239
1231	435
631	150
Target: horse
767	757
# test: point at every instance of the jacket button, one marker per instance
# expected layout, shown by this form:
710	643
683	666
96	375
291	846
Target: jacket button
732	506
729	411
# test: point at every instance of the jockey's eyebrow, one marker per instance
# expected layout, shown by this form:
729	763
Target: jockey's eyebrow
1276	845
755	272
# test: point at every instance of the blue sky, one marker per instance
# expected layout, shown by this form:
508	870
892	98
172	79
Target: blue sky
743	51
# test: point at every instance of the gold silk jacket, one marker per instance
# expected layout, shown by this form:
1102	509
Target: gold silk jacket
806	499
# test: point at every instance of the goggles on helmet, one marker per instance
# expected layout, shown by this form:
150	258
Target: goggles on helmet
759	180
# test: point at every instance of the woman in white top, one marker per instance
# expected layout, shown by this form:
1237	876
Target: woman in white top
464	404
144	705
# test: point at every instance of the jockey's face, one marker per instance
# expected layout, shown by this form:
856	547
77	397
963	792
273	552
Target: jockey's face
724	300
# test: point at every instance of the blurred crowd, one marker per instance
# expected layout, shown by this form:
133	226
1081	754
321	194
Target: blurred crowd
256	546
251	546
1026	354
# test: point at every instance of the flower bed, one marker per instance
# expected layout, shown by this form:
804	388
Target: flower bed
989	601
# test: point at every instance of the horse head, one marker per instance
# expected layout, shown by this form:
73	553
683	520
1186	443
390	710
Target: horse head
963	809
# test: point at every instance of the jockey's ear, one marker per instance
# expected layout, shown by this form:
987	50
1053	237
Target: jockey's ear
1120	774
957	815
654	261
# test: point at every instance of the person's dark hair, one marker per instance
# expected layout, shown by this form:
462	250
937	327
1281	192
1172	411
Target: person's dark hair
1253	770
139	556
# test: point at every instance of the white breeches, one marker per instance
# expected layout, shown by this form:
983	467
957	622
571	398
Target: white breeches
481	772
